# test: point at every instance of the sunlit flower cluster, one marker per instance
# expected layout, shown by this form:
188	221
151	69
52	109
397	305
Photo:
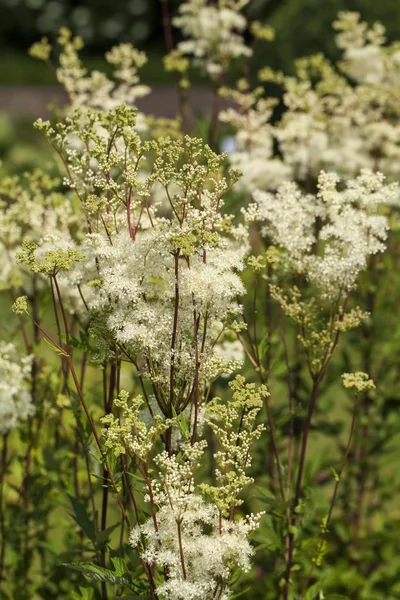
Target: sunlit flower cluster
338	118
328	236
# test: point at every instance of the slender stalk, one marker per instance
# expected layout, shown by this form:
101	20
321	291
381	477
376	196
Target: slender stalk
291	408
66	353
362	445
196	325
338	478
255	360
28	455
214	112
147	569
96	437
3	467
168	439
166	19
181	555
271	426
299	480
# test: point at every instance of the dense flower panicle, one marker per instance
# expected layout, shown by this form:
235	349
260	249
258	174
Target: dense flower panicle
129	433
15	400
328	123
209	558
254	141
359	381
198	542
214	32
162	274
195	539
96	90
330	236
233	424
34	210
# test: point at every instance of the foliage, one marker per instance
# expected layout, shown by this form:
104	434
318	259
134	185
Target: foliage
214	411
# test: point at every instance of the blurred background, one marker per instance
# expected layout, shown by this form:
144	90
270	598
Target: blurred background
27	85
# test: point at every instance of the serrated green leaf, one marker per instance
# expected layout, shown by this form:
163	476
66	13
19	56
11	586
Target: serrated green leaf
120	565
98	573
84	594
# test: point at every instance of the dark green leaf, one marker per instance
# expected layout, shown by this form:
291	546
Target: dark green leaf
97	573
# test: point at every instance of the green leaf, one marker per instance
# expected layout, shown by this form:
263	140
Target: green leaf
54	348
264	346
98	573
120	565
84	594
336	597
182	424
239	594
102	536
82	518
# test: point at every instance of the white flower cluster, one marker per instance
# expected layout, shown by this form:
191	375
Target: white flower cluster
338	118
365	58
32	210
162	271
328	237
214	32
198	543
15	400
198	547
139	284
209	558
96	90
254	142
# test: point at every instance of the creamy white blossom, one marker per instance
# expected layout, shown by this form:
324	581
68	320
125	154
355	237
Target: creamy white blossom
328	236
213	32
15	399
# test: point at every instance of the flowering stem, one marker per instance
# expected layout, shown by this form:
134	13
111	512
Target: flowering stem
107	399
255	360
291	408
96	437
82	399
173	347
88	416
64	317
338	478
145	474
303	450
131	494
28	455
317	378
361	452
3	466
214	112
181	550
166	18
275	449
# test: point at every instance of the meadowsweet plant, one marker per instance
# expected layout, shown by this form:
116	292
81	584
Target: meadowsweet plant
200	370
